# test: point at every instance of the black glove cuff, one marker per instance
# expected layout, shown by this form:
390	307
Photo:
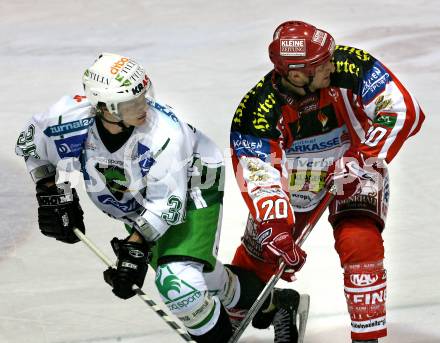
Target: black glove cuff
54	195
123	246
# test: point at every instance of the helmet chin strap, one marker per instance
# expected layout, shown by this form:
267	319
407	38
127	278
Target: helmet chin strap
120	123
306	87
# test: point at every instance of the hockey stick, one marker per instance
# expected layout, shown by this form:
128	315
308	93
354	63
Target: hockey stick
316	214
156	308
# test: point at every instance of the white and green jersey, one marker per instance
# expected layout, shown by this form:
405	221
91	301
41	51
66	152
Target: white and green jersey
165	167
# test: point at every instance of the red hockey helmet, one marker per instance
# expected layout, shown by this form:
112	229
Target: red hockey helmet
300	46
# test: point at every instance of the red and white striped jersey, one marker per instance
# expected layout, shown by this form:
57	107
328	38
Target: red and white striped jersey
283	144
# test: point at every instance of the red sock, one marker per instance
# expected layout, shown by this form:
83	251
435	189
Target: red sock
360	248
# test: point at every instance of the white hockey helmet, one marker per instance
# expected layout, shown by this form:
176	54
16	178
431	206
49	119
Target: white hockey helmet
113	79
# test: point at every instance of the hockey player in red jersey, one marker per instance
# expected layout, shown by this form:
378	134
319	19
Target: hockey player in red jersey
326	114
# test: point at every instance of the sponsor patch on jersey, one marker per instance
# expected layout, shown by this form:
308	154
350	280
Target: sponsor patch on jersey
328	141
304	201
65	128
358	53
309	163
250	146
145	159
385	103
129	206
347	68
375	82
307	180
315	123
293	47
261	114
386	120
70	146
264	192
164	109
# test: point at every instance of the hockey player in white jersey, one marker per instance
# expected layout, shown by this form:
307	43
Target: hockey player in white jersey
158	175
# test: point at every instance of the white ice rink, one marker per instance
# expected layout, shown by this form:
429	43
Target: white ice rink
202	57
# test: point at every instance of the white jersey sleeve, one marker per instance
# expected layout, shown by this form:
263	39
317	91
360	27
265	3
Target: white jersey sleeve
167	180
32	146
38	143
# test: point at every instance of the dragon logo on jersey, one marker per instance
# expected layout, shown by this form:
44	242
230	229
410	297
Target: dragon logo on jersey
115	180
117	184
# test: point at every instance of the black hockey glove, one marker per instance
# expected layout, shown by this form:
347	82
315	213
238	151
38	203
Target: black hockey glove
59	212
133	259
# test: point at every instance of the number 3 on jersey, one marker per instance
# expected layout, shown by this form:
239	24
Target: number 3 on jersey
173	214
275	209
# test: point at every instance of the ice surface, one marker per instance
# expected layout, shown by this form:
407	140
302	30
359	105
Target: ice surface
202	57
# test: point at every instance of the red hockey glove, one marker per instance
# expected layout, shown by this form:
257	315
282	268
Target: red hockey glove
348	174
275	236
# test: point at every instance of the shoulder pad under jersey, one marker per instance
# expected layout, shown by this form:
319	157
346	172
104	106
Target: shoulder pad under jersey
351	65
163	109
259	110
67	115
